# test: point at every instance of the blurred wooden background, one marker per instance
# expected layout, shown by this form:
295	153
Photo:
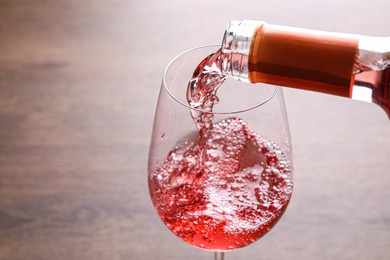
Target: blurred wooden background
78	87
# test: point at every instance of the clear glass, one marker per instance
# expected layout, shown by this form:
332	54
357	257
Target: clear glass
236	45
263	110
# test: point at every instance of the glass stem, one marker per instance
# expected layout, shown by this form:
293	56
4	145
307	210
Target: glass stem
219	255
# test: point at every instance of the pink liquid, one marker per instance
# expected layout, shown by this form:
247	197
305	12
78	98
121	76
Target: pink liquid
202	89
231	185
235	196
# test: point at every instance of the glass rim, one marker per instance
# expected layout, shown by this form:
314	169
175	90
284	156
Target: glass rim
165	84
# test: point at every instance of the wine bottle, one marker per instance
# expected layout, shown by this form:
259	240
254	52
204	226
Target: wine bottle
347	65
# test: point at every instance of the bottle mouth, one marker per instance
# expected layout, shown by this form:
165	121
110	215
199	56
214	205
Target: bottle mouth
236	46
238	36
235	96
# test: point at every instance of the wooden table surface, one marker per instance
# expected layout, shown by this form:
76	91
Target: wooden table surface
78	87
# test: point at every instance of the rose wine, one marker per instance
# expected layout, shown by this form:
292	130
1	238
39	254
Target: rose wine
235	196
202	89
231	185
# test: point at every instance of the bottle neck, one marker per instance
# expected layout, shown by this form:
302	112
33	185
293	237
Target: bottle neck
236	47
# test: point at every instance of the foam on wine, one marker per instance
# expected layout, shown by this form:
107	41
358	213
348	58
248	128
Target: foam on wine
234	198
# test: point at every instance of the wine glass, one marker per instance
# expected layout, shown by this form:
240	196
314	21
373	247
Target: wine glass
229	190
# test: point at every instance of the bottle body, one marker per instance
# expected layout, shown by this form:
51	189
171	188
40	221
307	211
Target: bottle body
341	64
